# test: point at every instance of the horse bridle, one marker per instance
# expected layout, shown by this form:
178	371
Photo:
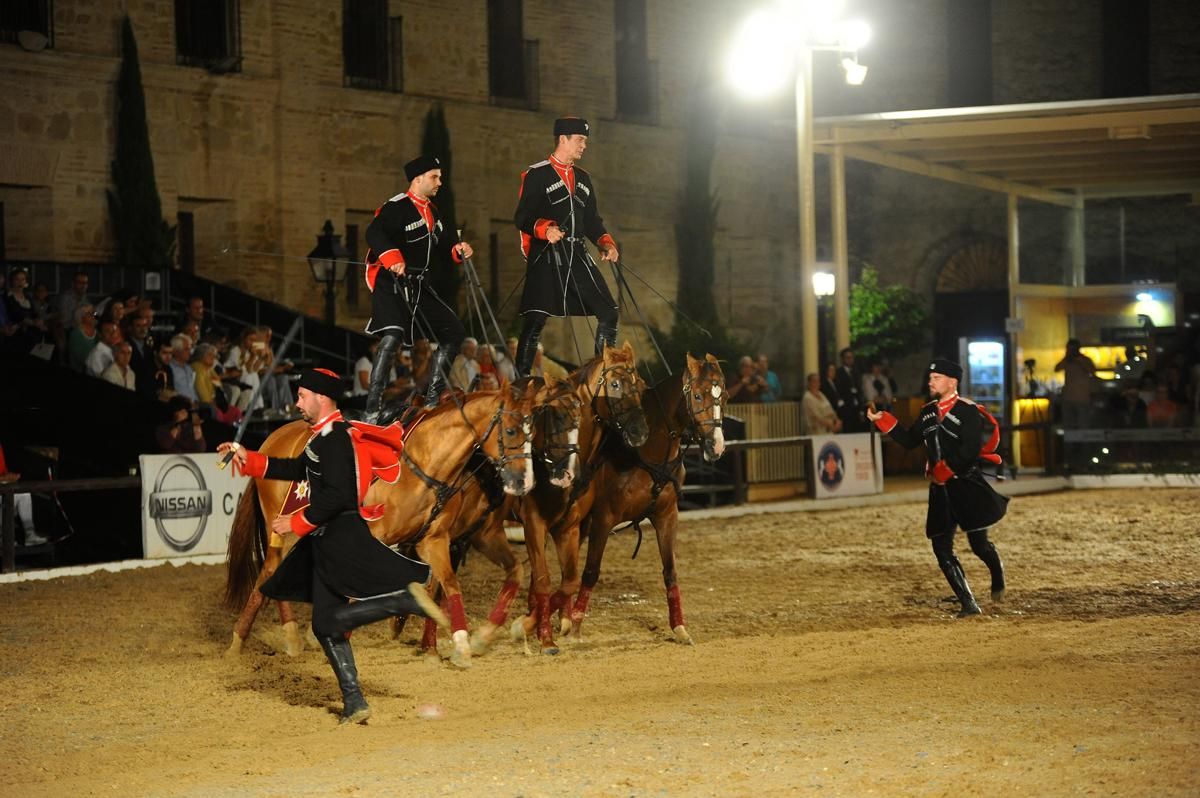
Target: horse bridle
617	418
548	453
711	399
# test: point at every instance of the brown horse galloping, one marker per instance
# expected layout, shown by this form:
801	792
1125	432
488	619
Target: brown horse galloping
645	483
435	459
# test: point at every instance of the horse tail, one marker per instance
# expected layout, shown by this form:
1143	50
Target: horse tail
247	549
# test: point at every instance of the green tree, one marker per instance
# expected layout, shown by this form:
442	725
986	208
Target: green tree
435	141
143	236
885	321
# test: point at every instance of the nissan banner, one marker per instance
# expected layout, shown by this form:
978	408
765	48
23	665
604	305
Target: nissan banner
187	504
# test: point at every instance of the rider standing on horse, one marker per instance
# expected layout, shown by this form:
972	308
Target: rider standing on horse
406	239
557	209
337	558
952	429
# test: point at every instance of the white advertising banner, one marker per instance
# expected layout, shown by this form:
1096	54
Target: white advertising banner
188	504
846	465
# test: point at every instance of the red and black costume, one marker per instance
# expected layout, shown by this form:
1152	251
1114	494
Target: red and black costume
337	558
952	430
561	279
406	239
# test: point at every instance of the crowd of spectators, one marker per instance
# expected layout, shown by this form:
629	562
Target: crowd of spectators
1144	392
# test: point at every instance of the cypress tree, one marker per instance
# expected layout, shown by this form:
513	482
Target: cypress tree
143	237
435	141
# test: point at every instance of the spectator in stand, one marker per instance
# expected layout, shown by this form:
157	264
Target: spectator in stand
164	378
101	356
1146	386
817	416
114	307
277	389
1163	411
192	330
70	301
849	388
876	388
488	378
82	337
829	387
135	330
465	368
183	378
209	390
1129	411
19	307
241	366
193	314
506	361
1078	370
41	304
546	366
120	372
774	390
23	504
182	433
749	386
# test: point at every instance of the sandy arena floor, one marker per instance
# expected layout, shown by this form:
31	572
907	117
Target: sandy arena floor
826	664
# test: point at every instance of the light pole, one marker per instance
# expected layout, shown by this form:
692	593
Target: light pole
328	264
775	44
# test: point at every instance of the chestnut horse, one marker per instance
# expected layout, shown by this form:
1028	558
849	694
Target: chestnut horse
645	483
611	392
437	462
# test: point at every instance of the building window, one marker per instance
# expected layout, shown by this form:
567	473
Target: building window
636	83
34	18
512	59
1126	56
208	34
186	236
969	50
371	46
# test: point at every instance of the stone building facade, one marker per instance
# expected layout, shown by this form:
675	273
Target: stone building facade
256	151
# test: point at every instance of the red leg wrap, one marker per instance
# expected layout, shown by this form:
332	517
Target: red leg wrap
558	601
429	636
541	603
674	607
581	605
500	611
458	615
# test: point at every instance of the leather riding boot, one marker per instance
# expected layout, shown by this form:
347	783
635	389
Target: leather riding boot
528	343
439	369
341	659
606	333
413	601
381	368
985	550
952	568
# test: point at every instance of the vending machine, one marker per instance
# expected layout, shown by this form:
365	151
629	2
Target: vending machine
984	363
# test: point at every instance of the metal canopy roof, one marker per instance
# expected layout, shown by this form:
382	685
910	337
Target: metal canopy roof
1050	152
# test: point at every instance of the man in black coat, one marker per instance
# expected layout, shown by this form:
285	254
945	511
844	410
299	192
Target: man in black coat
337	559
951	428
848	383
556	211
407	239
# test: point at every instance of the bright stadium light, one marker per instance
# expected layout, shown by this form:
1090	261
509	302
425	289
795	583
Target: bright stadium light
760	62
854	34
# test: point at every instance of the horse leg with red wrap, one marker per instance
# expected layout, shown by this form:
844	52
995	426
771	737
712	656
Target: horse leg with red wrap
566	542
539	584
492	543
435	550
599	527
666	522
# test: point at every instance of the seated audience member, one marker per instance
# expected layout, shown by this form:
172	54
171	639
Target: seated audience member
506	366
183	378
82	337
22	503
748	386
209	391
194	319
101	356
72	299
120	371
488	378
774	391
182	433
164	378
1162	411
1129	411
465	368
135	330
817	416
876	387
277	388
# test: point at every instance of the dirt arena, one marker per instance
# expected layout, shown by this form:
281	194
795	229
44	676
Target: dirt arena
826	663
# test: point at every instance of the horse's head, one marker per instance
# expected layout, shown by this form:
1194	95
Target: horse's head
617	394
704	397
514	432
556	431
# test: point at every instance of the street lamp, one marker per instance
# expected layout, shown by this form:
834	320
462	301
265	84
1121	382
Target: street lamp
777	43
824	286
328	263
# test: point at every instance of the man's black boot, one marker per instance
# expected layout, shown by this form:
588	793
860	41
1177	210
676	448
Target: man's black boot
985	550
958	583
528	343
443	359
341	659
381	369
606	333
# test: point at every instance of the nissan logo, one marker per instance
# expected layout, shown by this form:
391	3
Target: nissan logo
180	504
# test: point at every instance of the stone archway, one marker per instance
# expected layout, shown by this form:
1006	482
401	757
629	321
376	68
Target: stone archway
968	277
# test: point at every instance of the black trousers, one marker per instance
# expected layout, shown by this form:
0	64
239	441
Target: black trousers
943	549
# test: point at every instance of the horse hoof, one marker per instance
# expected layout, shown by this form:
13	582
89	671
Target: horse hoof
682	636
461	658
519	629
481	641
550	649
293	645
565	627
235	647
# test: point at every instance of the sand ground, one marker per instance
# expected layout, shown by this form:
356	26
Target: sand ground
826	663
